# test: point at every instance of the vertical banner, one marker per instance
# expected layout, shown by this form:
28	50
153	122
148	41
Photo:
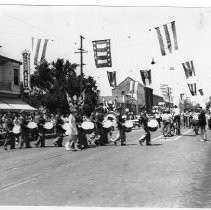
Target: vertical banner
102	53
146	76
39	47
26	69
192	88
181	96
201	92
189	69
168	33
112	78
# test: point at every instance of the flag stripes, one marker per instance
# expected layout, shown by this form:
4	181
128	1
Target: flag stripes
166	34
192	88
39	47
189	69
102	53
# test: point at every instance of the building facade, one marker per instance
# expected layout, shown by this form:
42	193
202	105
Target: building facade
10	86
9	77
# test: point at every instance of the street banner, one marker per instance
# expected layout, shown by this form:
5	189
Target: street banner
168	33
192	88
182	96
146	76
189	69
112	78
102	53
39	50
201	92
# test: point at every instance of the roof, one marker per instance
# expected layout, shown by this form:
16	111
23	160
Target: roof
129	79
5	59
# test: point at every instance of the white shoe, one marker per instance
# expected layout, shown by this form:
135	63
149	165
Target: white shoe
203	140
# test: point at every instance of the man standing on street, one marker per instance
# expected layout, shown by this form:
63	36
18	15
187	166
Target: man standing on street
143	121
176	117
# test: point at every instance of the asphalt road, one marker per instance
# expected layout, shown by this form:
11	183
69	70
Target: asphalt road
172	172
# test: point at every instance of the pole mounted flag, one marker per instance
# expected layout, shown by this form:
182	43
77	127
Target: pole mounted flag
189	69
102	53
146	76
112	78
169	32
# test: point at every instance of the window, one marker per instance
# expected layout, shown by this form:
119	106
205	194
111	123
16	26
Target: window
16	77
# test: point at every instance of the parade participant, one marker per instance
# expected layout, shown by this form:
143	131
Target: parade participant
158	118
58	130
41	131
176	117
202	124
10	140
82	139
73	132
143	121
24	132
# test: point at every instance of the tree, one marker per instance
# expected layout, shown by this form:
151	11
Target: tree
49	85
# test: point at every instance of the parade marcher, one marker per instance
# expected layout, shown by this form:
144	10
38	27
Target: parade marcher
202	124
82	139
58	130
143	121
176	117
158	118
73	132
24	132
10	140
41	131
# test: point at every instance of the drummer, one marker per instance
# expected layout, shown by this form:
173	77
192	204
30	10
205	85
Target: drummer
41	131
10	140
24	132
58	122
143	121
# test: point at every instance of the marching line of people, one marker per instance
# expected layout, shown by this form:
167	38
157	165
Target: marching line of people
22	129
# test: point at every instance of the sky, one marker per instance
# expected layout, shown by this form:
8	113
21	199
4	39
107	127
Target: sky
133	44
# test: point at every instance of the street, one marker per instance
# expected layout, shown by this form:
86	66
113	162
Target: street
173	172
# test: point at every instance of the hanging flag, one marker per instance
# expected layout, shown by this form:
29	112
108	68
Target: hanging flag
201	92
146	76
189	69
181	96
192	88
39	50
102	53
169	32
112	78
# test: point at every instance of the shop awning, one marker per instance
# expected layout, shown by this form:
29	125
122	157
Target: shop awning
15	104
4	105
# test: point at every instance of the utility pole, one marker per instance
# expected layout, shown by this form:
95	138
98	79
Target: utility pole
81	51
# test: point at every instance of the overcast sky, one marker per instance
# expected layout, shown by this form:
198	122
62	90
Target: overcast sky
132	44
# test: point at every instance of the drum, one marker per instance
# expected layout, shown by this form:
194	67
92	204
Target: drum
66	126
128	125
16	129
32	125
88	127
152	125
107	125
48	125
